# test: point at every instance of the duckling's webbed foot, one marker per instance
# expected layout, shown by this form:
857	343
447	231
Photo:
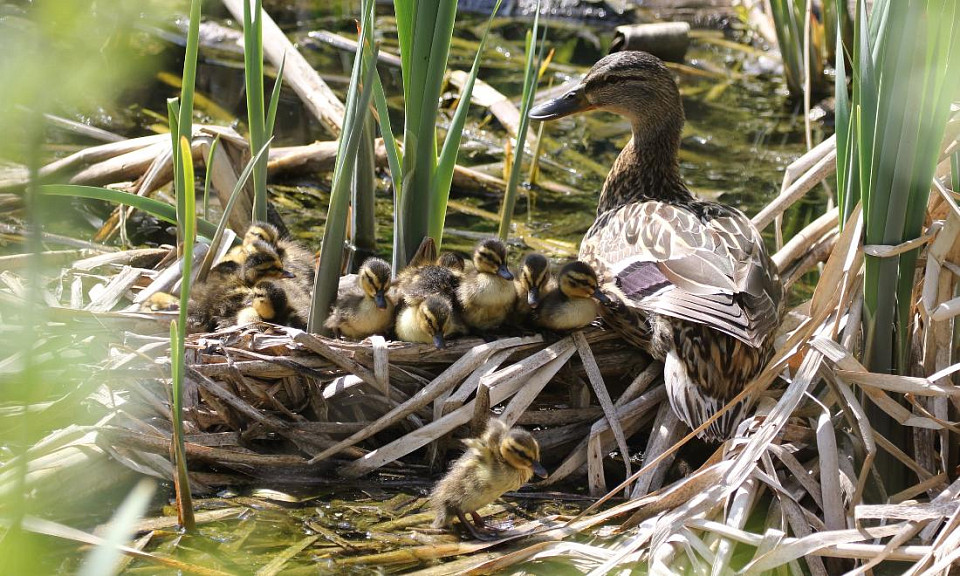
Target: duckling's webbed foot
478	532
481	523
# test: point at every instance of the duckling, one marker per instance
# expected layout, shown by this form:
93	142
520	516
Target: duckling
694	283
433	320
160	302
296	258
216	301
501	460
256	232
530	285
275	301
416	285
486	294
573	304
452	261
367	308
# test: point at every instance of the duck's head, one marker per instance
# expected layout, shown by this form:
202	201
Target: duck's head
452	260
263	263
534	274
433	316
374	280
261	232
490	257
633	84
578	280
520	450
268	299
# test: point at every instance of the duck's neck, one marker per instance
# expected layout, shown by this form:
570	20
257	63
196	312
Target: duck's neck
646	169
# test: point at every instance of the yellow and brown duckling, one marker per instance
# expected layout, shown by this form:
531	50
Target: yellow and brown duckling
296	258
432	321
486	293
278	302
215	302
695	285
160	302
452	261
502	460
367	308
572	305
530	285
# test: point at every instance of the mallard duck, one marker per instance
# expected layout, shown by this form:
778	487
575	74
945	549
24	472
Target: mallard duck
573	303
694	283
501	460
366	308
530	284
215	302
433	320
486	293
276	301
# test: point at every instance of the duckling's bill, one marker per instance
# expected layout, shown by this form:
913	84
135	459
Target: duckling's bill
504	272
572	102
539	470
599	295
380	299
533	296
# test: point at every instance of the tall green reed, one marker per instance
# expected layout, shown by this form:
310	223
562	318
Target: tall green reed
359	94
260	122
789	22
906	73
530	76
425	30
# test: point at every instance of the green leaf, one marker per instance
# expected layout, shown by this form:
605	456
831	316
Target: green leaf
155	208
447	160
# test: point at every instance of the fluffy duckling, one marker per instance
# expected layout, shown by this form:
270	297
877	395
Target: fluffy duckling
366	309
296	258
573	304
216	302
530	284
452	261
501	460
257	232
416	285
160	302
275	301
433	320
486	294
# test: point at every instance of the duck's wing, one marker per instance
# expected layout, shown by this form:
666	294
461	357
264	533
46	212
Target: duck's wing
702	262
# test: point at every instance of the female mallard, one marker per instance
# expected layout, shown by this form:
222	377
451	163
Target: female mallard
695	284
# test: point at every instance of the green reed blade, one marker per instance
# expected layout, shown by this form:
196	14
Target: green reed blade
447	160
253	77
207	177
275	99
155	208
186	221
359	94
529	90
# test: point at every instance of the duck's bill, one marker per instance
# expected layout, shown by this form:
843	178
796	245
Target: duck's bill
533	297
539	470
599	295
438	342
380	300
505	273
570	103
287	274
